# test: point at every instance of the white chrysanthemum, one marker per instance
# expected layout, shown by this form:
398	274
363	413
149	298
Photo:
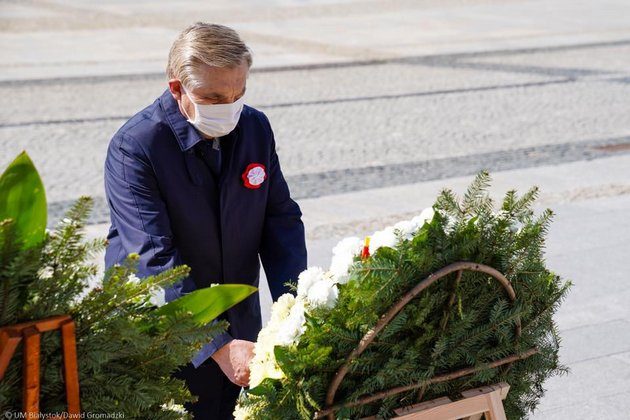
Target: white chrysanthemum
425	216
381	238
293	326
242	413
343	257
285	325
323	293
307	278
263	364
406	228
280	309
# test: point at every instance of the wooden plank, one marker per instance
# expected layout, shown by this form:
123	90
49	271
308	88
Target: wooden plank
503	387
416	407
452	411
496	406
476	402
43	325
70	366
423	406
9	340
30	376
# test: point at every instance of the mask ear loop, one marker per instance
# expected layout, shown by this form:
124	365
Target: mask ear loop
183	109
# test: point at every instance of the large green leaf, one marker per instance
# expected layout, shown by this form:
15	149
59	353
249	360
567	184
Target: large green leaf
23	199
282	358
208	303
266	387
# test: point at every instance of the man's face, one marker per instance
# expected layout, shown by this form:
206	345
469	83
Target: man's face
218	86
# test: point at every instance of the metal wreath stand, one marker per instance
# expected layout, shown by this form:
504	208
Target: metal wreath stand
481	400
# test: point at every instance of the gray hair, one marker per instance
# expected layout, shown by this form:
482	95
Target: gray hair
205	44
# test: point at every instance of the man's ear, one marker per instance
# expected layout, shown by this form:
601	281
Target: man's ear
175	86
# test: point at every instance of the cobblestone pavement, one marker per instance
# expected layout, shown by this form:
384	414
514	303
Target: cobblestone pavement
357	125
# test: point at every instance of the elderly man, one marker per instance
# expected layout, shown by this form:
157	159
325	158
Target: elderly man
194	179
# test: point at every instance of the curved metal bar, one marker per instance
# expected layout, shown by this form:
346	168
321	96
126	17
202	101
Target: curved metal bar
397	307
435	380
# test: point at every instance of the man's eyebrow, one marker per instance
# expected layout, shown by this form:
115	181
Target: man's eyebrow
215	95
219	96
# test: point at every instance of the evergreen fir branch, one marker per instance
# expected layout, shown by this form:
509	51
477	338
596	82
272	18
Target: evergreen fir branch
448	202
475	198
121	366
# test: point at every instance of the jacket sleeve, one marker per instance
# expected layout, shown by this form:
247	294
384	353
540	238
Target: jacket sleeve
283	248
140	216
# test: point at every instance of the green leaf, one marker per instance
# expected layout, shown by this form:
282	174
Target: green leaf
23	199
208	303
265	387
282	358
311	320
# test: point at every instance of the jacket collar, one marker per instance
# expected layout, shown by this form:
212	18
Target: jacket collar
186	134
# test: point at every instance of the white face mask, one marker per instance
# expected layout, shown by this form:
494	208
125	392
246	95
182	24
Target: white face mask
216	120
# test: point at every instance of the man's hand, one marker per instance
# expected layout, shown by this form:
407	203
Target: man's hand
233	359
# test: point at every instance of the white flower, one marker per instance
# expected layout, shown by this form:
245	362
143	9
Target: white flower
262	369
348	246
132	278
158	296
381	238
285	325
317	288
343	257
293	326
323	293
242	413
406	228
178	408
46	272
425	216
281	308
307	278
263	364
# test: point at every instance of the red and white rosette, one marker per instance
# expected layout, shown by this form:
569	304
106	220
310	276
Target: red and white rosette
254	175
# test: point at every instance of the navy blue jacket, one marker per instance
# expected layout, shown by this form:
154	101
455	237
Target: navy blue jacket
166	206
